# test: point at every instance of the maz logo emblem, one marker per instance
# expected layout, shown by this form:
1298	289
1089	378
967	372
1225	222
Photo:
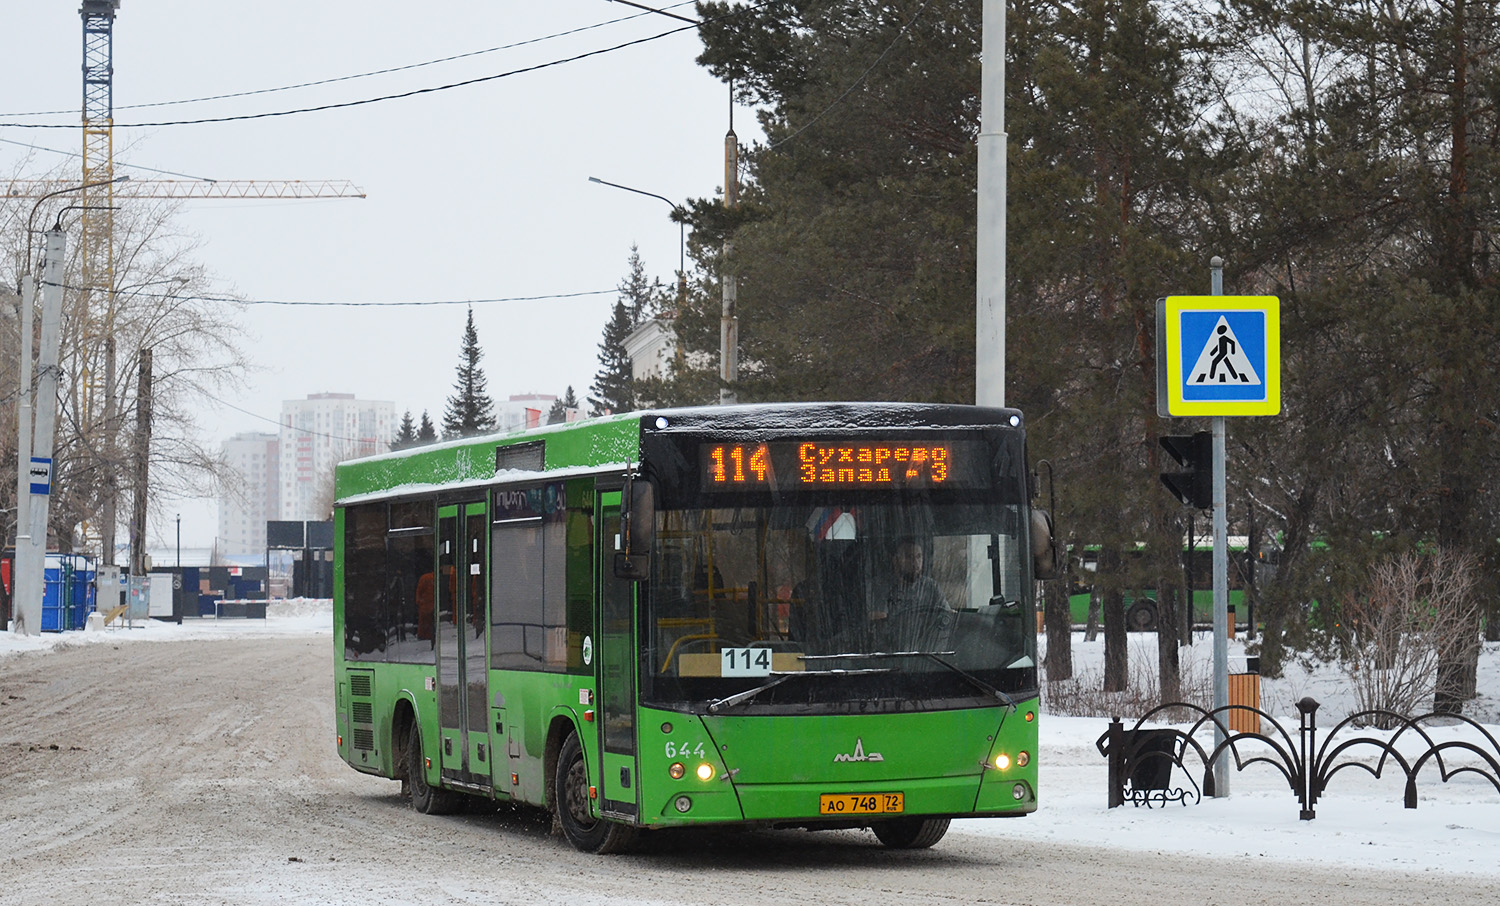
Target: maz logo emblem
859	754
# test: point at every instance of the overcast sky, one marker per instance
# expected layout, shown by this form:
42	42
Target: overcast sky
477	192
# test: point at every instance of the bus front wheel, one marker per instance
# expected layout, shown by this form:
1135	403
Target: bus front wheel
911	833
571	803
424	798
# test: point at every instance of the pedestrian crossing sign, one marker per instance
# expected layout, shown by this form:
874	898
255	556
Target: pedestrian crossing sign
1218	355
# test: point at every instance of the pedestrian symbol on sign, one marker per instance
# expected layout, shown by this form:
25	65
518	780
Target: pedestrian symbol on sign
1222	360
1218	355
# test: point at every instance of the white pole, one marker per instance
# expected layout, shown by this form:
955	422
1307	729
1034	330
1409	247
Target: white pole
23	410
989	322
31	558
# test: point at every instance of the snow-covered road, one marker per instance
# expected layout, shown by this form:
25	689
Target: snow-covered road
195	764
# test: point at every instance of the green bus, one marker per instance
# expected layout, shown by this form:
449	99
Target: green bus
700	616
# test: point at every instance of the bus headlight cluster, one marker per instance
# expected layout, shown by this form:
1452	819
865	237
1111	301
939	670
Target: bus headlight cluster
1003	761
677	770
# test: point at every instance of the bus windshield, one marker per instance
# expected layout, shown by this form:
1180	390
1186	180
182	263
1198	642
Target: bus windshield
907	602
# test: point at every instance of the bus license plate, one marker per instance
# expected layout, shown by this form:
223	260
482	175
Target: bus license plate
861	804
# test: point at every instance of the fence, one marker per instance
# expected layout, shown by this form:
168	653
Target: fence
1142	759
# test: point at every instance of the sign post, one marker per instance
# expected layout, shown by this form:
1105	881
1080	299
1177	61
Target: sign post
1218	356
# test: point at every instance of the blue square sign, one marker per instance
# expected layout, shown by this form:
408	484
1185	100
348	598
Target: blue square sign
1219	355
41	476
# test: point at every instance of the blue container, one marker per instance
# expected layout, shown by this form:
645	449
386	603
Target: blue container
67	592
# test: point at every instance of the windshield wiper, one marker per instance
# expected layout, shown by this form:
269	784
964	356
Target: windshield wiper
859	654
779	677
938	656
976	682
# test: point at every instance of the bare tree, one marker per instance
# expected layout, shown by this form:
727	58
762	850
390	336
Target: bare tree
157	302
1416	611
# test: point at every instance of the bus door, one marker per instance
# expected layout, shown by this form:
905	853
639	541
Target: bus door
463	645
615	672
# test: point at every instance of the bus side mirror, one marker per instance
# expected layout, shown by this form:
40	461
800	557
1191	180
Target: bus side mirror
637	531
1044	557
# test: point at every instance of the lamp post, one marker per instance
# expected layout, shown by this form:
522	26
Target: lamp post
681	234
34	447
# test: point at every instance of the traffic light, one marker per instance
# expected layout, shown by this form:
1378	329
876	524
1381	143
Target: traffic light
1195	487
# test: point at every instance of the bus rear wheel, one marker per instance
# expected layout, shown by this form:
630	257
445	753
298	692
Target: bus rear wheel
911	833
1141	617
426	799
571	804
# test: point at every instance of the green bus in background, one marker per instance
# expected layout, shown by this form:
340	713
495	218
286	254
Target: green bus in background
815	615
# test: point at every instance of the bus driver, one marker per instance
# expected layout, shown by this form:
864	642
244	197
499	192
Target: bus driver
915	616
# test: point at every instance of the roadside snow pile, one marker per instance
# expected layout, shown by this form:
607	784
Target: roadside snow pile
301	608
293	616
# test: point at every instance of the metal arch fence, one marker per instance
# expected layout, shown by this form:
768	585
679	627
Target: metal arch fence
1142	759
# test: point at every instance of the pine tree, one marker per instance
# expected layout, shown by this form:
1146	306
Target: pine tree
613	388
406	435
470	410
560	408
426	433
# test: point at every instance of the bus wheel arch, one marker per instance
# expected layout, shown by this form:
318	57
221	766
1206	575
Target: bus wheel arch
402	720
571	806
557	733
425	798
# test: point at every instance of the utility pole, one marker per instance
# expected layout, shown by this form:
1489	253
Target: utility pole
142	463
729	325
31	548
989	321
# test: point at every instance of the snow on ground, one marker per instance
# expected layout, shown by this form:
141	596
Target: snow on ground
293	616
1360	823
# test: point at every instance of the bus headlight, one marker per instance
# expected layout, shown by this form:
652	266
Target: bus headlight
1023	759
676	770
1002	762
705	771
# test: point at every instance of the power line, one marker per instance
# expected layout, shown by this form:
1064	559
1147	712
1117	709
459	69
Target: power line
360	75
857	82
363	101
189	297
281	424
11	141
391	97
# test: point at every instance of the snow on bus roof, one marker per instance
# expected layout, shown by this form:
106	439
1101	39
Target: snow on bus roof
502	438
413	489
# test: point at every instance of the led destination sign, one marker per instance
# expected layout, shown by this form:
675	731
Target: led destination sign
812	464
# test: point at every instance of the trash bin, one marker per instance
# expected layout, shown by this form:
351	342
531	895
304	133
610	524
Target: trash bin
1244	690
1150	756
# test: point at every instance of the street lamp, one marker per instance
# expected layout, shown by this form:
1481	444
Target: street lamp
34	472
681	214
